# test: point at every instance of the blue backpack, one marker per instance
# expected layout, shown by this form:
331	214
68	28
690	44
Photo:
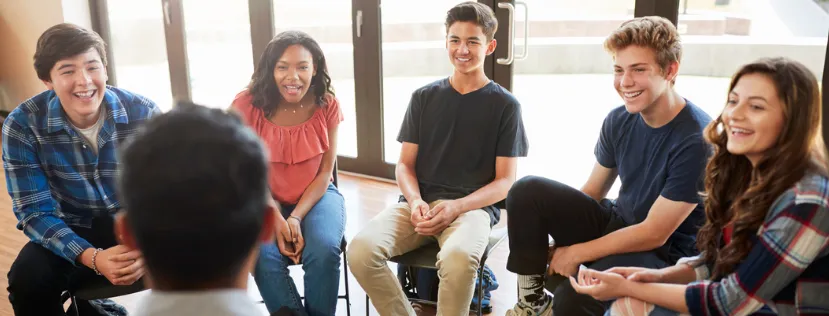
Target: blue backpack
423	283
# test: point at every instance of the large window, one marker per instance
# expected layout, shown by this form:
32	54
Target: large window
565	85
378	55
330	26
218	49
414	54
139	50
721	35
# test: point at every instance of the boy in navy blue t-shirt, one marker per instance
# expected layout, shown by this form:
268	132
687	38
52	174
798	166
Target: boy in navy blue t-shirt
654	143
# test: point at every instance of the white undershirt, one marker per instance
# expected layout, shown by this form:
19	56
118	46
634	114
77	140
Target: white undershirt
91	133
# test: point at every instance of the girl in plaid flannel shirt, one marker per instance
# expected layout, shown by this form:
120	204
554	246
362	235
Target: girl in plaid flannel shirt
764	246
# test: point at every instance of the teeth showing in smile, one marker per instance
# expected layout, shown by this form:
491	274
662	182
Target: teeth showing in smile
463	59
292	89
86	94
740	131
632	94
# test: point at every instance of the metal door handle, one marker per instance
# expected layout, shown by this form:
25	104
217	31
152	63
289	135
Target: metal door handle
359	24
166	9
510	36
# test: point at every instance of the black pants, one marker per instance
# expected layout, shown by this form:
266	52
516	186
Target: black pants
538	208
38	277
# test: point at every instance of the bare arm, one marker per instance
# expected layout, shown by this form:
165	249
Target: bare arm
663	219
405	172
608	286
670	296
679	274
600	181
505	168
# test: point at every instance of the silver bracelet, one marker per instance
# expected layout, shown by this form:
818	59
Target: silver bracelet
95	256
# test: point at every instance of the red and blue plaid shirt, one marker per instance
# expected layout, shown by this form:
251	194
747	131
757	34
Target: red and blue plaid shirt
787	270
54	179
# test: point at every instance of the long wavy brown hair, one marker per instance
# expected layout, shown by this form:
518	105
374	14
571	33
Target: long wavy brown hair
739	193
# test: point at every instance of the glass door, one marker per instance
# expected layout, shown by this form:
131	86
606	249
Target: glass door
414	54
138	49
218	46
565	83
330	25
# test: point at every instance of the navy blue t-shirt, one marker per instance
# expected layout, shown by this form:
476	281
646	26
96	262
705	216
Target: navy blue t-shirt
668	161
459	137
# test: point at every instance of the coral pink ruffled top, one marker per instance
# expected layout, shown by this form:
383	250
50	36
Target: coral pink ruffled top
295	151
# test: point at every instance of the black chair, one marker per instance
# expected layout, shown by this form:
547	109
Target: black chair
426	257
343	247
99	288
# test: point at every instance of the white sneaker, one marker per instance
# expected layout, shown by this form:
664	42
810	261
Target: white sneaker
523	310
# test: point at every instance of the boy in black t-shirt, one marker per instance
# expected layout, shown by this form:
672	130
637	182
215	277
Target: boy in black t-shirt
461	138
654	143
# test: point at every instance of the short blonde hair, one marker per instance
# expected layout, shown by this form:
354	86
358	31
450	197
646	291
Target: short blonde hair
654	32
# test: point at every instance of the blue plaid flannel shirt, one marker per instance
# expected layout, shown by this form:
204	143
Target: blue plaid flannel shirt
54	179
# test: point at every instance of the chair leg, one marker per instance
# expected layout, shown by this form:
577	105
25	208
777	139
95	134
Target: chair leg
367	305
481	290
75	305
347	294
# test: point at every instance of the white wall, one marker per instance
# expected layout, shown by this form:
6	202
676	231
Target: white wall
21	23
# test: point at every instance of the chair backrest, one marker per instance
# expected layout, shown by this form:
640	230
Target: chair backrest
334	174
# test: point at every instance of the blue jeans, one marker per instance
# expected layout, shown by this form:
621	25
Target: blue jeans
323	228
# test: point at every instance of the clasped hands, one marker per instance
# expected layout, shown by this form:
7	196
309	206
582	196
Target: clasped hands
601	285
289	238
430	222
118	264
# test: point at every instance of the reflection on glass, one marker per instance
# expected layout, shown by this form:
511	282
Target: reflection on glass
330	26
218	49
139	49
414	55
565	85
720	36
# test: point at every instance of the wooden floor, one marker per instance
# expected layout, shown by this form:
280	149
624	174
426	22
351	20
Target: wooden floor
364	199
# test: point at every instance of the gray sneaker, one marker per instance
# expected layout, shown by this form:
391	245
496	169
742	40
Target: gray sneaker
108	307
520	309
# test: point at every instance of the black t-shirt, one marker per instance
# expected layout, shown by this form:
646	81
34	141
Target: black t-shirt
459	136
668	161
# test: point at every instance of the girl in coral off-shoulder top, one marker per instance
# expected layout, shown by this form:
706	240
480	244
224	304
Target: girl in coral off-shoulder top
291	106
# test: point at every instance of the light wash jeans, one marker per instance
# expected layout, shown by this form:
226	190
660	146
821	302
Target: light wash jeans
323	228
631	307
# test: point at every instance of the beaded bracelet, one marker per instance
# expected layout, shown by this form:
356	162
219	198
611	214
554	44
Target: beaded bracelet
95	266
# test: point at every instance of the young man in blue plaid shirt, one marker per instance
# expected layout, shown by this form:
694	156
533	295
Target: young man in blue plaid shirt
59	153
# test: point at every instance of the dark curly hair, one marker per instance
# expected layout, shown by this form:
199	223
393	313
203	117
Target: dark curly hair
263	90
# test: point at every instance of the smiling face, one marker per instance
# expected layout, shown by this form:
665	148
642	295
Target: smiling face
638	78
467	46
80	83
293	73
753	117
